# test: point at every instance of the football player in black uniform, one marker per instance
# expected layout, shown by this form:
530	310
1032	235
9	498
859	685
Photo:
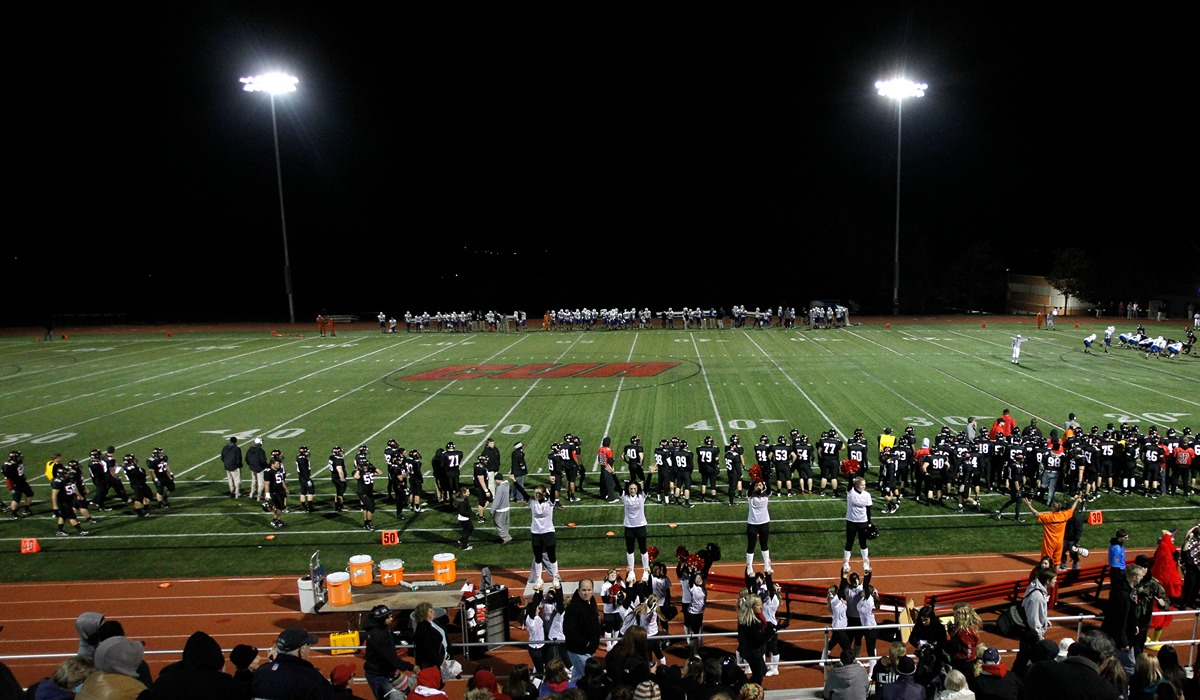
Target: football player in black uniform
390	452
63	492
634	456
304	475
415	481
453	460
802	473
74	471
941	470
365	474
164	481
856	449
781	465
275	481
708	459
337	473
18	485
762	457
397	475
661	454
685	465
138	486
829	455
734	463
104	481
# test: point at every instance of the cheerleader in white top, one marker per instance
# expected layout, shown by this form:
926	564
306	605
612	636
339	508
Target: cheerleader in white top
758	525
633	498
858	518
541	529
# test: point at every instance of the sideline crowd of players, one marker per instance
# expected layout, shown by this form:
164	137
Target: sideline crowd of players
586	319
952	470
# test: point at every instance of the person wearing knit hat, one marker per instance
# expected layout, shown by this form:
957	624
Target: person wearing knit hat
1064	647
117	661
198	675
429	685
751	691
484	679
647	690
994	680
245	660
340	678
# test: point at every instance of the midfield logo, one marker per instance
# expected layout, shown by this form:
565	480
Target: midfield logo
574	370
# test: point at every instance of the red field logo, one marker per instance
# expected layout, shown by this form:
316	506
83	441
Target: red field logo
574	370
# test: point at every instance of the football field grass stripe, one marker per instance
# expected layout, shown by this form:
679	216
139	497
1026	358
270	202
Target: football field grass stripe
775	363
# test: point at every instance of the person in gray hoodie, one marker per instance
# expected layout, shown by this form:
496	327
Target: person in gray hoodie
86	626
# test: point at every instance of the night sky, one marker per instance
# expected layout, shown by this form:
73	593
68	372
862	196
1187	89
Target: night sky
603	156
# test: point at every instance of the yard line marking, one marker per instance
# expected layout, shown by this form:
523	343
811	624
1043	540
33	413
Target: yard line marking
98	358
708	388
129	384
939	370
791	381
612	411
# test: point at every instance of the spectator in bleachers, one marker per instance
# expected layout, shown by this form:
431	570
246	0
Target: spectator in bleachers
993	680
116	678
903	685
62	684
846	680
199	674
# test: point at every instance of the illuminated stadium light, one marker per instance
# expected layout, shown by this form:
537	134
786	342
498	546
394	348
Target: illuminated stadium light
277	84
899	90
274	83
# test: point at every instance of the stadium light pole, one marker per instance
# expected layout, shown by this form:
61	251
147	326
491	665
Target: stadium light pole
898	89
277	84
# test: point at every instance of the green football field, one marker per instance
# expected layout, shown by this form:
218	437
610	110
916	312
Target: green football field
189	390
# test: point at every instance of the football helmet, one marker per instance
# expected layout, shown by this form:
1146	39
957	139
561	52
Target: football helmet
781	440
683	444
130	459
635	440
734	439
15	456
708	440
803	439
392	443
450	445
858	432
94	454
764	440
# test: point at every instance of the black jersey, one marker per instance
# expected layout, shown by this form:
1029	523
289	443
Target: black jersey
633	455
762	454
135	474
829	448
337	467
276	480
781	456
303	467
365	476
684	460
160	467
803	452
708	457
857	451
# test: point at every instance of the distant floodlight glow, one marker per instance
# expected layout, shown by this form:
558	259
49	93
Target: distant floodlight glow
900	88
274	83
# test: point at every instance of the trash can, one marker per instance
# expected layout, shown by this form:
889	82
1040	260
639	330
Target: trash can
308	601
